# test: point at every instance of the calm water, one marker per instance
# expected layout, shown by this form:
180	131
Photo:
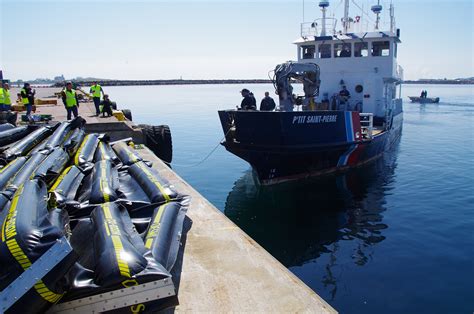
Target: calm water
394	237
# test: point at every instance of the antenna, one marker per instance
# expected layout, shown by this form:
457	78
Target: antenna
377	9
392	18
345	20
324	5
303	11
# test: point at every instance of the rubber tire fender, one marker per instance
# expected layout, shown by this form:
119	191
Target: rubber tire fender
158	139
128	114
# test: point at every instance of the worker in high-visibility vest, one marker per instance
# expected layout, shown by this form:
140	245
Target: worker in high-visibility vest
28	99
70	100
95	90
7	102
2	96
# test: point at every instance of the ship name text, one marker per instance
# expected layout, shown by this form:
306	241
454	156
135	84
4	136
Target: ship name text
314	119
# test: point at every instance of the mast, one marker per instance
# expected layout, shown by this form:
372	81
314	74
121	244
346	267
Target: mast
323	5
392	18
345	21
377	9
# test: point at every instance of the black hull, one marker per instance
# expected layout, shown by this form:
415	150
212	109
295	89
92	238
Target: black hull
279	151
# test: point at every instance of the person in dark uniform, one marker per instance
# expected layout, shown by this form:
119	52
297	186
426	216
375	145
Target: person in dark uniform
106	106
344	96
248	103
267	103
344	93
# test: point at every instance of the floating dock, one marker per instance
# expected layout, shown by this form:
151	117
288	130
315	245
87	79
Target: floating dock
219	267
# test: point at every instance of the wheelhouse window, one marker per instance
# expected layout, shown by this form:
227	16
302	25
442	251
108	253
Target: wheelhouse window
342	50
324	51
307	52
361	50
380	48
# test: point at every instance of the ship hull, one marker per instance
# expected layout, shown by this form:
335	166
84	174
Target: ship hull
284	146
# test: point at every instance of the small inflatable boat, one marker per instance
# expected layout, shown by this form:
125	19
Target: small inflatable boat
424	100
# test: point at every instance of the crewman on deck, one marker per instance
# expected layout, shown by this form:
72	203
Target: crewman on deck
267	103
344	96
248	103
7	102
344	93
28	99
70	100
95	90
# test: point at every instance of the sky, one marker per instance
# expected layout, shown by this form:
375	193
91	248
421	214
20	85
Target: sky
212	39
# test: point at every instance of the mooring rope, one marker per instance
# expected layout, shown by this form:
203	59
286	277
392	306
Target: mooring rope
201	161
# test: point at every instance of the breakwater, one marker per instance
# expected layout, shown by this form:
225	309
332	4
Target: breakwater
167	82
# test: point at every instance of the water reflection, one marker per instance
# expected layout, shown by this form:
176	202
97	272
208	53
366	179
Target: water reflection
299	222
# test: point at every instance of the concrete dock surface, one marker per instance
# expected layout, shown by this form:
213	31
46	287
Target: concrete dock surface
224	270
221	269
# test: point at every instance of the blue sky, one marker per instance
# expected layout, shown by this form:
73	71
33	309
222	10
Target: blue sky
208	39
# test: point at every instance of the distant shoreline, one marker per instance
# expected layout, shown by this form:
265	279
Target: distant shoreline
231	81
169	82
441	82
228	81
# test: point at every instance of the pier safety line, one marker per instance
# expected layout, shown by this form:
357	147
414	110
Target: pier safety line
201	161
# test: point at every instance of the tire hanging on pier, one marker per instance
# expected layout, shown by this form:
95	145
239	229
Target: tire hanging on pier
158	139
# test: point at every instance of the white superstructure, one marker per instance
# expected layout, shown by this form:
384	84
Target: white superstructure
364	61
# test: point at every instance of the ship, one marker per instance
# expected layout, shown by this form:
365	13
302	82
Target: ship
351	111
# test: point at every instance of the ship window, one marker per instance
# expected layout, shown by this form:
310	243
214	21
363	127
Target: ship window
361	49
381	48
342	50
307	52
324	51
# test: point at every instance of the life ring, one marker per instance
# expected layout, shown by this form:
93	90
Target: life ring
357	19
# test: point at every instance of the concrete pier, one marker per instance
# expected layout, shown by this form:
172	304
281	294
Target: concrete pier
220	268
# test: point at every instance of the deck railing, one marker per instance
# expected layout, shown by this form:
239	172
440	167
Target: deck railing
400	72
366	125
311	29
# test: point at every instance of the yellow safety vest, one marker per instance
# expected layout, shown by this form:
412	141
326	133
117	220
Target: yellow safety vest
95	90
25	100
2	95
6	97
70	98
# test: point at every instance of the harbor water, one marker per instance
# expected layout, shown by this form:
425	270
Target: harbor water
395	236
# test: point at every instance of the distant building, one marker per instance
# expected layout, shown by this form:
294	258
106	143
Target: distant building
59	78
